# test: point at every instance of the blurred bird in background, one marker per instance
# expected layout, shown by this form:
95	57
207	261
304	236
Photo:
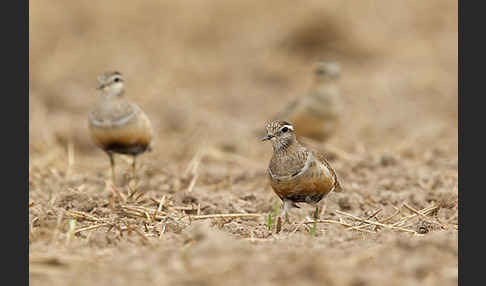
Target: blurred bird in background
117	125
316	114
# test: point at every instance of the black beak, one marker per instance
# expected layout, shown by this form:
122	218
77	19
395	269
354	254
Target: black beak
267	137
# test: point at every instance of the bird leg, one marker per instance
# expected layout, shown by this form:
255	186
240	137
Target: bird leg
316	217
111	183
112	163
133	183
287	205
316	213
133	167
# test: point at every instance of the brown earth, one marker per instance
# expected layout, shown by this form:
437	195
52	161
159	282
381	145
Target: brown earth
209	74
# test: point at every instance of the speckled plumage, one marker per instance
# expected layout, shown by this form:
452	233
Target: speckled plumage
297	174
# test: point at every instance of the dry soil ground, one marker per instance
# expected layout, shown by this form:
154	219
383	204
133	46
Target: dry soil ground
209	74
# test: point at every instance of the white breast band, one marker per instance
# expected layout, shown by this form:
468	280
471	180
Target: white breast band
119	122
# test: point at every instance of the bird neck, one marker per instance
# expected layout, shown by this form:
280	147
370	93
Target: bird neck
286	147
112	95
319	81
328	87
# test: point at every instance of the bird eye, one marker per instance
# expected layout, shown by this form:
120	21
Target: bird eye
285	129
117	79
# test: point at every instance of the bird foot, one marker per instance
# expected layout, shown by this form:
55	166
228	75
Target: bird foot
111	186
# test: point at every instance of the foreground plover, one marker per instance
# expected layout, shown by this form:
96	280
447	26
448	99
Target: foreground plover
297	174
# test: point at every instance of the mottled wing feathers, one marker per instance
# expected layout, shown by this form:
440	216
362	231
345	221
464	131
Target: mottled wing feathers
320	157
302	175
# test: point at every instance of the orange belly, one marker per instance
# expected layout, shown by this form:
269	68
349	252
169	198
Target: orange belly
130	139
310	189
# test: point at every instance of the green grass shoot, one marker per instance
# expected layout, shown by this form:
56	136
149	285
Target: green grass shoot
275	215
275	210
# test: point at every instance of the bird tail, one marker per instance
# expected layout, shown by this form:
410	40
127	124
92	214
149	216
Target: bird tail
337	187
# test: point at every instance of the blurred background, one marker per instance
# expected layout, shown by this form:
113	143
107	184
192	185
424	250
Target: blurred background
210	74
216	71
